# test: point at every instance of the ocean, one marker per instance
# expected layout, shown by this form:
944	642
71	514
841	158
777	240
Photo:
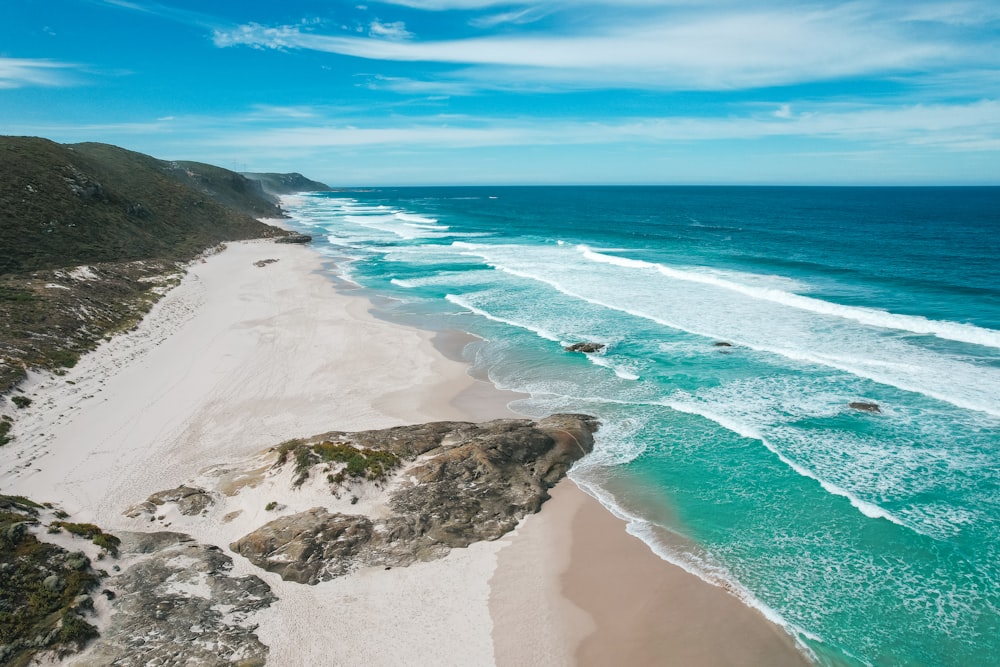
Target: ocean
739	323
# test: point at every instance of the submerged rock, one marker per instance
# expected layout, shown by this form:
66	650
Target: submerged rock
471	482
865	407
586	348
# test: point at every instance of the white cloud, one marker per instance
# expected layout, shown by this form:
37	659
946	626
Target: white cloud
971	127
784	111
394	30
514	17
24	72
740	49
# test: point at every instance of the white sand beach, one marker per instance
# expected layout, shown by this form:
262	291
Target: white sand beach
241	357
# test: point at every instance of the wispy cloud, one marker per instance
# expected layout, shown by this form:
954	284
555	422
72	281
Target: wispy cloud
24	72
513	17
972	127
735	50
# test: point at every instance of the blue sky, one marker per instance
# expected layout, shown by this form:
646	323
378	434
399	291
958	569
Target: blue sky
413	92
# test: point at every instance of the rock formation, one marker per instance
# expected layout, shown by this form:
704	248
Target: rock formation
294	238
865	407
458	483
178	605
189	500
586	348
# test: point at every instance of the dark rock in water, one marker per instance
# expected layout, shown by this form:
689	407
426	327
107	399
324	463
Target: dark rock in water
294	238
180	606
472	482
586	348
723	344
865	407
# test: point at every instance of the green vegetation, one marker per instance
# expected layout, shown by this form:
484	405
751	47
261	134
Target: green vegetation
66	205
283	184
40	597
106	541
359	462
21	401
125	216
5	425
270	506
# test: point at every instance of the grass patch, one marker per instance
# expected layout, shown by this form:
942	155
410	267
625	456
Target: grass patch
106	541
5	425
358	462
41	583
20	401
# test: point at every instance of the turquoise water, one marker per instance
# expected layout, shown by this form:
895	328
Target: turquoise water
873	538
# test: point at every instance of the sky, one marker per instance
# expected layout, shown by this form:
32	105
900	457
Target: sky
460	92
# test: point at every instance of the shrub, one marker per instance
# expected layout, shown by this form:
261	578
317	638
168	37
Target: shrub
106	541
270	506
21	401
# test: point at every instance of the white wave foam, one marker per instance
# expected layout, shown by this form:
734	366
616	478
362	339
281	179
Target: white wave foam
870	510
956	331
972	393
413	218
702	566
464	303
620	371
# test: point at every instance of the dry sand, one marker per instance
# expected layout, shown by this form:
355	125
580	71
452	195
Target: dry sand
239	358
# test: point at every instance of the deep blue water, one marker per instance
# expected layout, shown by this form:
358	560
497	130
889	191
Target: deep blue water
873	538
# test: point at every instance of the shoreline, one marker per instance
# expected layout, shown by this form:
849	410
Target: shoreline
239	358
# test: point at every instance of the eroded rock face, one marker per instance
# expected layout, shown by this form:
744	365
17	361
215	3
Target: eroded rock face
463	483
180	606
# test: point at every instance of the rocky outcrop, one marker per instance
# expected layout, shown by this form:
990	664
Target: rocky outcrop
460	483
179	606
586	348
864	406
294	238
189	500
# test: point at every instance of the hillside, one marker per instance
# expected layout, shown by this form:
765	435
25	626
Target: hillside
63	205
90	236
285	184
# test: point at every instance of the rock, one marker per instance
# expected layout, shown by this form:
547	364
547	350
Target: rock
309	546
722	344
865	407
190	500
54	583
586	348
471	482
179	605
294	238
261	263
